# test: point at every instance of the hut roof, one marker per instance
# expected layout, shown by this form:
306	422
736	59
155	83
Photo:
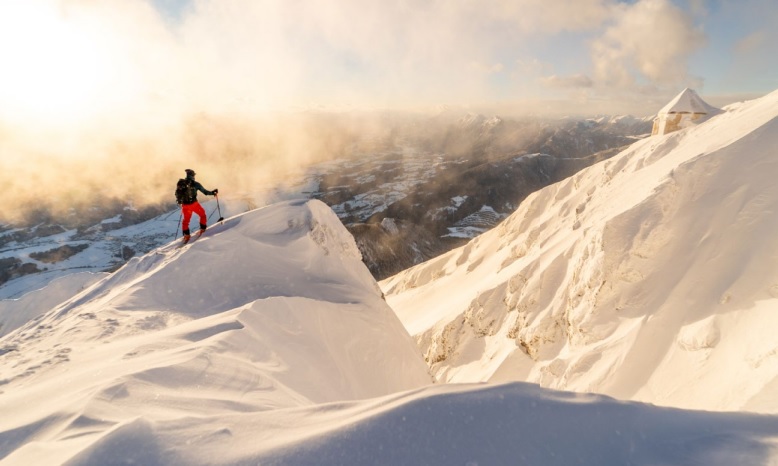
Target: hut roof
688	101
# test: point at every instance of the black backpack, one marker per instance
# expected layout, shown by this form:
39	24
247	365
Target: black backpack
185	191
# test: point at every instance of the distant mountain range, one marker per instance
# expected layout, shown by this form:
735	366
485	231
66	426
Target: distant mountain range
454	177
428	185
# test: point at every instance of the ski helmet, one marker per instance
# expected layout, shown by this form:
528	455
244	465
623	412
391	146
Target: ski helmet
189	172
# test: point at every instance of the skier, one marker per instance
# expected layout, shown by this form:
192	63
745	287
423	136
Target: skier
186	195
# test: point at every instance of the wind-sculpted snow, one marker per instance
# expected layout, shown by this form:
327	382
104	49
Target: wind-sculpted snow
266	341
16	312
444	425
272	309
650	276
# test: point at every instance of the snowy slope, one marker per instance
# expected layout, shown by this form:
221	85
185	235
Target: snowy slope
16	312
446	425
271	309
650	276
267	341
106	244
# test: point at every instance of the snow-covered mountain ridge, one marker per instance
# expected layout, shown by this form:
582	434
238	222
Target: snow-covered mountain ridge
253	328
266	341
646	277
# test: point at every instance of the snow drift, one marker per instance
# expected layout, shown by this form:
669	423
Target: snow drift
267	341
650	276
271	309
16	312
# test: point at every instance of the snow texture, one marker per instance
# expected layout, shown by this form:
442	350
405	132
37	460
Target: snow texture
650	277
266	341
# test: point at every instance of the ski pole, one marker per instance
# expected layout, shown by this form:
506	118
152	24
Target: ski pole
218	207
214	210
180	216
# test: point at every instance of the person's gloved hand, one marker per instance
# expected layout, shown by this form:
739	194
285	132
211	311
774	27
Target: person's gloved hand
215	192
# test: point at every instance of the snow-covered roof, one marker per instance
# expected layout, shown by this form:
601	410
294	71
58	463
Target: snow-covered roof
688	101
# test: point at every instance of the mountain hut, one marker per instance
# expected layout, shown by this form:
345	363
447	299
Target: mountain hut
686	109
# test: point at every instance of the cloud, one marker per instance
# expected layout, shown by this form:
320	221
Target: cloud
531	17
532	67
698	7
752	42
566	82
375	52
259	55
649	40
72	61
91	89
487	69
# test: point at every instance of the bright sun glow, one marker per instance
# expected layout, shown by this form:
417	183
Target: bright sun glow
53	70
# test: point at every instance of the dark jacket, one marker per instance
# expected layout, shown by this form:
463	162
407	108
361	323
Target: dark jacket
194	186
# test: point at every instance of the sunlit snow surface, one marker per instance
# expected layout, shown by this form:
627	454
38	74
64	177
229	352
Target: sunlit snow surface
267	341
651	277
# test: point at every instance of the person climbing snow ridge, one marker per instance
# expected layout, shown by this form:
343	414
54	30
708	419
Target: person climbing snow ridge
186	197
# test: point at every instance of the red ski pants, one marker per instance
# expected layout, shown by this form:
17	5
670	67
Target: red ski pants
188	209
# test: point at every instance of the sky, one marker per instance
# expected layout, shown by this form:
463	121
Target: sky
118	97
74	60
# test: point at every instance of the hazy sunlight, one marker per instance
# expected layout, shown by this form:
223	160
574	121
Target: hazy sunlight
54	71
